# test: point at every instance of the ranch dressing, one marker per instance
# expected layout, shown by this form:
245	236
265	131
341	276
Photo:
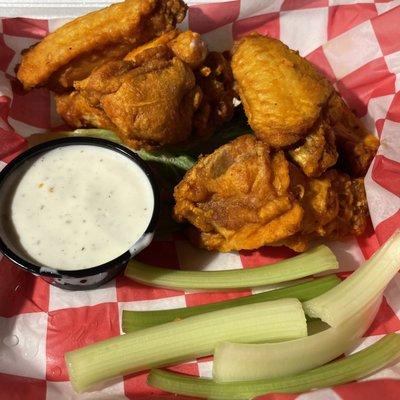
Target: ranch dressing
79	206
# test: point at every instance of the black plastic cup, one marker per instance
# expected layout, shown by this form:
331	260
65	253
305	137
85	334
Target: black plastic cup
97	275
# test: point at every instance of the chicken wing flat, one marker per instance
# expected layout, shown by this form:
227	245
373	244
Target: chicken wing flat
238	198
126	24
289	103
281	92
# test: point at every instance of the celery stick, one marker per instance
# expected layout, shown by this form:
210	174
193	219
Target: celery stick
348	369
313	261
184	340
245	362
135	320
360	289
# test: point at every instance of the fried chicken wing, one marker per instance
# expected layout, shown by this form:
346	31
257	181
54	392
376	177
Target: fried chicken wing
153	47
152	103
246	195
213	76
156	95
238	198
190	48
281	92
126	24
289	103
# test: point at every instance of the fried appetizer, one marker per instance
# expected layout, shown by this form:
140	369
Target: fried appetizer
246	195
238	198
188	46
357	147
85	40
81	67
156	95
290	105
212	71
149	104
281	92
215	79
317	152
78	112
335	205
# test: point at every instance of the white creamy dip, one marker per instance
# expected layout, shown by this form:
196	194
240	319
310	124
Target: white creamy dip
79	206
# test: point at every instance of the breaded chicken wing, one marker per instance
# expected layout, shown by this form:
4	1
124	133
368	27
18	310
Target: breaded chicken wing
281	92
246	195
238	198
156	95
213	76
149	104
290	105
82	41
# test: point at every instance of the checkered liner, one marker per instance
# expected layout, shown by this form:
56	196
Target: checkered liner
356	45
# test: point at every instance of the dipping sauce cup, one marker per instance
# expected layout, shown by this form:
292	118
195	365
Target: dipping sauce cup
74	211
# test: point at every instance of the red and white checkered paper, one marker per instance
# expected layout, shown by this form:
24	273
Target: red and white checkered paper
357	46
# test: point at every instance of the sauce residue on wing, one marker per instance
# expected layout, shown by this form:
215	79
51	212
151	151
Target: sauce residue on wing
77	207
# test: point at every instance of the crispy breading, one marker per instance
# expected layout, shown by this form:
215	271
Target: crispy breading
353	211
133	22
246	195
81	67
148	104
289	103
215	80
318	198
238	197
335	205
78	112
318	151
142	51
357	147
282	93
190	48
187	46
153	97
